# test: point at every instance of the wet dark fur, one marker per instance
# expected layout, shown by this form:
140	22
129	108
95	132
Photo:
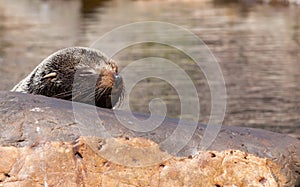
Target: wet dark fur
79	73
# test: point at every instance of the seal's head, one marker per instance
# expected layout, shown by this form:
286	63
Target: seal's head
77	73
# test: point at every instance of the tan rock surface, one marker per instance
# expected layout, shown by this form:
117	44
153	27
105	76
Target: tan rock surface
78	163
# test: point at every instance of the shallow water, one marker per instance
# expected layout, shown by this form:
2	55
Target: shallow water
257	47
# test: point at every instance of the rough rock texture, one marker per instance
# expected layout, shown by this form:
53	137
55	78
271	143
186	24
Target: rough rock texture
77	164
40	134
280	2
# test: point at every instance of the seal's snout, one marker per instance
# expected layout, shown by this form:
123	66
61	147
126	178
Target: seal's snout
118	80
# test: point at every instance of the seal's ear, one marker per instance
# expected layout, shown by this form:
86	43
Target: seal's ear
50	75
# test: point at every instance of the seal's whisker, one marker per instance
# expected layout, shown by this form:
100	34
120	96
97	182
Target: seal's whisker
100	93
63	94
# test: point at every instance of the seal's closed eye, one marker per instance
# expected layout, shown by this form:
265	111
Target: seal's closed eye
77	73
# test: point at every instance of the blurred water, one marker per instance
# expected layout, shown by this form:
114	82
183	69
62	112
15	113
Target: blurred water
257	46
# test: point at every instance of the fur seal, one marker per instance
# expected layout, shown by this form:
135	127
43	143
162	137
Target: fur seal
77	73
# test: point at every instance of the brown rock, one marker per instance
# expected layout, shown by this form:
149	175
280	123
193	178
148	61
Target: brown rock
10	154
78	164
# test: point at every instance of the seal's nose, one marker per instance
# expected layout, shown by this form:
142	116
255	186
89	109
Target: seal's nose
118	80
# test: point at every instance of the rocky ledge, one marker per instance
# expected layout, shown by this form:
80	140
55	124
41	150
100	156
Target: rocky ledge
42	144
